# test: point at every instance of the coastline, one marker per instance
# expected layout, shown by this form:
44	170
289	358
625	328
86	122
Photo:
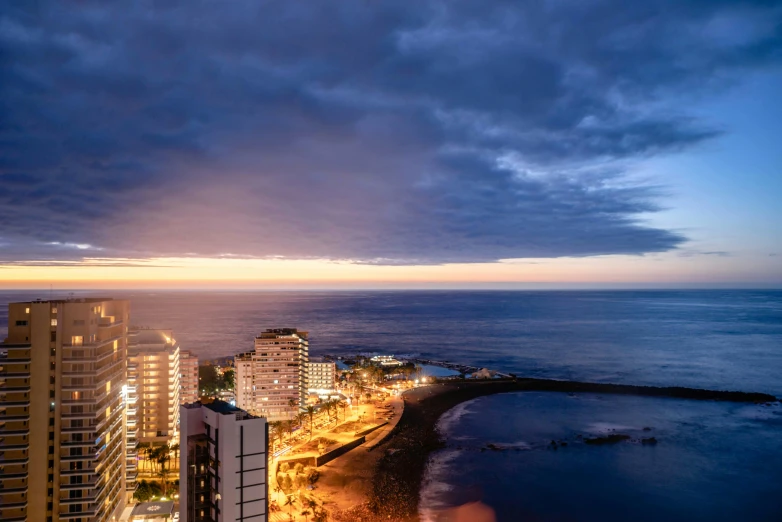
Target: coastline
398	473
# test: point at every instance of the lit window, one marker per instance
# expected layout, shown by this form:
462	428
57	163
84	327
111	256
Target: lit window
27	310
54	310
77	340
54	322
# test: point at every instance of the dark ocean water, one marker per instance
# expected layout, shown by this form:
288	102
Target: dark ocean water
716	462
711	339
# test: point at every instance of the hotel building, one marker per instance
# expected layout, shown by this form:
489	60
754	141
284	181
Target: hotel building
153	374
321	375
188	377
62	411
223	464
272	380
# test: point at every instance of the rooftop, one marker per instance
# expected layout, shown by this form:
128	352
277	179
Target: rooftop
273	332
67	300
152	510
218	406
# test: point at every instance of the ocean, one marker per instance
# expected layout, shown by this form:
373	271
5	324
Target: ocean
714	461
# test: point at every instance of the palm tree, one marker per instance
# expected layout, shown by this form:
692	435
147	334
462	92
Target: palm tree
290	501
343	406
276	430
287	427
305	514
175	449
143	449
311	413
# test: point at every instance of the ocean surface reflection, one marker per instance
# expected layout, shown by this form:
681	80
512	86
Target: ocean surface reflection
711	461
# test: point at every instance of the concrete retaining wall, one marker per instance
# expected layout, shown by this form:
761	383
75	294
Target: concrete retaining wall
370	430
333	454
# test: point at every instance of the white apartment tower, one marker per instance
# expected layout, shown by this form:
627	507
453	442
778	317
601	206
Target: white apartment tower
62	411
243	381
223	464
153	374
321	375
272	380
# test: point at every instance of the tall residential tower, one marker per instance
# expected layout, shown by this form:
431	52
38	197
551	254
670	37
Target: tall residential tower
188	377
62	411
272	380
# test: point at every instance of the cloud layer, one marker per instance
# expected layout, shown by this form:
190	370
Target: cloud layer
381	132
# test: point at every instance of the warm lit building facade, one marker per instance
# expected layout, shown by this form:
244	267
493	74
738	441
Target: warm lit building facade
188	377
272	381
62	411
222	472
321	375
153	374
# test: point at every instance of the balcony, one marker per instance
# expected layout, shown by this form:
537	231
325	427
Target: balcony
97	383
92	345
12	491
17	387
4	416
15	459
83	485
71	472
5	403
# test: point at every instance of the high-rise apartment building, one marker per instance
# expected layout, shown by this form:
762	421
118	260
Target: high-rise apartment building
243	381
153	374
223	466
321	375
62	411
278	381
188	377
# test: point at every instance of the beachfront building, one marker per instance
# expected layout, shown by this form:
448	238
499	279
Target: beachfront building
222	472
62	411
272	380
188	377
321	375
153	375
386	360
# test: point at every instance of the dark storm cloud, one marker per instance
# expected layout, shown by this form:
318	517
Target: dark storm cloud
380	132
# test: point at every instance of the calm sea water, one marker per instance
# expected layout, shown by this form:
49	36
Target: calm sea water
710	339
716	462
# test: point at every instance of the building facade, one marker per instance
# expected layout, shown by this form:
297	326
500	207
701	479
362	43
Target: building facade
243	381
188	377
153	375
223	467
62	411
321	375
273	381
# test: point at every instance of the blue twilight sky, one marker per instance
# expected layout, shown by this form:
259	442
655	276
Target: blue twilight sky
589	137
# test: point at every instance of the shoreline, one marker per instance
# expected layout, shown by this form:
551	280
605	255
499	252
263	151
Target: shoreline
398	474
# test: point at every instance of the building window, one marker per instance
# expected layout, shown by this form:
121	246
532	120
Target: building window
21	323
77	340
54	322
54	309
27	310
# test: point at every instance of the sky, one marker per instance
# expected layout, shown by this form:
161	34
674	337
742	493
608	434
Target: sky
243	144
